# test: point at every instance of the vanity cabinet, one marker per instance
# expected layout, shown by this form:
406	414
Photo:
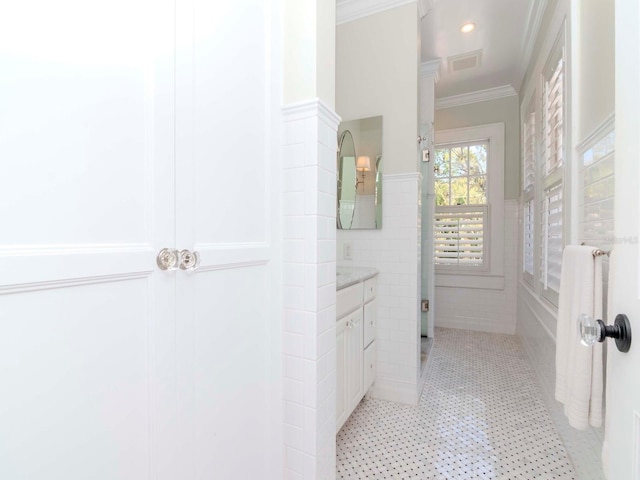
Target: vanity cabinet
355	346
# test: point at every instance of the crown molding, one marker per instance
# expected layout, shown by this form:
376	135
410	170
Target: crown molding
425	6
534	20
350	10
475	97
431	68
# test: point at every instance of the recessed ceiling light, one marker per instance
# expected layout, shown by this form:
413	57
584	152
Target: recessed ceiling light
468	27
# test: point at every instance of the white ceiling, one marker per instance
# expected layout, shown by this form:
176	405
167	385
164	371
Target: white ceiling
504	30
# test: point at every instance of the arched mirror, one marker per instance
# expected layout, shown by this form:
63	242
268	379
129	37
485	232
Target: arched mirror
360	166
346	180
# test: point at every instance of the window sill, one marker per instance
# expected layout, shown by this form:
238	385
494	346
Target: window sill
470	280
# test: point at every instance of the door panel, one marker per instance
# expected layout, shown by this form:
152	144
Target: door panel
75	383
622	432
230	391
225	323
223	138
79	125
87	200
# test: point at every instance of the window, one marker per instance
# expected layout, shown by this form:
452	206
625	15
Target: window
553	122
461	206
552	173
528	185
529	154
551	258
528	239
469	231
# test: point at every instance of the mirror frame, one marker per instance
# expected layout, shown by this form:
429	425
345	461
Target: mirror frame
339	178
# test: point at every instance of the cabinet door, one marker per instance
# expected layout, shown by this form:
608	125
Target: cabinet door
369	366
370	319
341	374
355	381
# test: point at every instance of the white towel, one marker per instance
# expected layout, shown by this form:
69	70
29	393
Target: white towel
579	373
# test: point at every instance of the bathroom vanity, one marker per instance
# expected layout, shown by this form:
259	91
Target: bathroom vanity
355	337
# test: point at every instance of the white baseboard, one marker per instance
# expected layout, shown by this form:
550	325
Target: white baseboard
476	324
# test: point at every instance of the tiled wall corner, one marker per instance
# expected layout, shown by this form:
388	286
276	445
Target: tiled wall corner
482	309
395	251
309	256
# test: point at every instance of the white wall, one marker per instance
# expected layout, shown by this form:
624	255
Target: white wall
591	33
377	59
377	74
309	51
595	64
394	251
309	324
308	239
487	309
505	110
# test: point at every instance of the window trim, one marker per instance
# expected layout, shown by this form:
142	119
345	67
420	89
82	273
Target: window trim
558	176
494	133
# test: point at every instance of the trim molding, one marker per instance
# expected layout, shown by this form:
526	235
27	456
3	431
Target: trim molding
425	6
313	108
534	20
475	97
350	10
431	68
401	177
598	134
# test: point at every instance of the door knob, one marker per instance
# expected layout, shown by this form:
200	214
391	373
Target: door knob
592	331
189	260
168	259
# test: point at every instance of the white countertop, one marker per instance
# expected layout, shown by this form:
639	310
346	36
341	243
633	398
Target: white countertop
347	276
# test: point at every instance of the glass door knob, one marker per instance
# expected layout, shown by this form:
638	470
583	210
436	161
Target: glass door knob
592	331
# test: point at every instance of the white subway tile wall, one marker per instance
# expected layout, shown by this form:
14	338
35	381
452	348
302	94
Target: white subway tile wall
395	251
480	309
309	384
596	198
536	321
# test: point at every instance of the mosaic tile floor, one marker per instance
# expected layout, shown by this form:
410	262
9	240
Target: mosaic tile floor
480	415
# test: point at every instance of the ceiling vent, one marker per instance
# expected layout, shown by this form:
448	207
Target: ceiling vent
464	61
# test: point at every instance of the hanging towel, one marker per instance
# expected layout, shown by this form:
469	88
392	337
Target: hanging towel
579	372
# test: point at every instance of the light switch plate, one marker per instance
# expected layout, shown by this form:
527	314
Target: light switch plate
347	251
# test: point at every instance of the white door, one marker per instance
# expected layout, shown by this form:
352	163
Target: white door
623	408
86	201
127	127
226	321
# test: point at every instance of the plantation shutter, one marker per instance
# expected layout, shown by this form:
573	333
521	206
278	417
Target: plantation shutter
552	240
553	111
529	139
528	237
459	237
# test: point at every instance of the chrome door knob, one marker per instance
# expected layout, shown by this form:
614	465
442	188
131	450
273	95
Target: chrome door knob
168	259
189	260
